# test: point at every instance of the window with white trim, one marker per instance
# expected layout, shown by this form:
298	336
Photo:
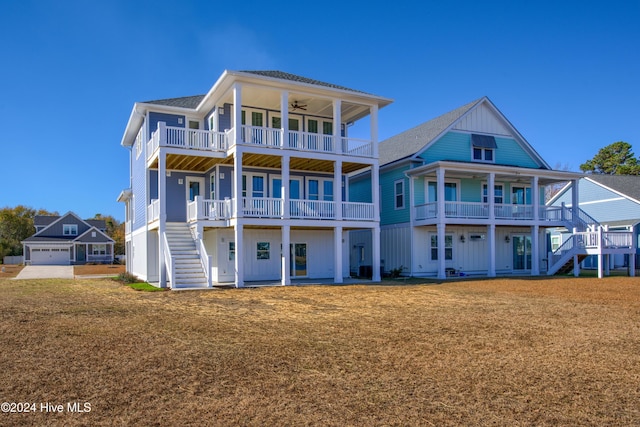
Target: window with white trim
448	247
263	250
70	229
398	194
498	194
320	189
483	147
99	249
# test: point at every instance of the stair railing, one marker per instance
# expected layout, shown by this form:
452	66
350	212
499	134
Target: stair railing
206	261
168	260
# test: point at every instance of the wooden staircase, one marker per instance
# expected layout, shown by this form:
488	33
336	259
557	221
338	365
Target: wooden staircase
568	266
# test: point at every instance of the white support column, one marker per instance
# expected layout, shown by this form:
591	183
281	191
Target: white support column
600	256
441	221
535	198
237	113
285	189
375	239
491	195
238	235
286	255
162	201
375	191
337	126
373	111
491	233
237	180
576	264
535	250
441	252
337	189
337	255
413	251
632	254
284	117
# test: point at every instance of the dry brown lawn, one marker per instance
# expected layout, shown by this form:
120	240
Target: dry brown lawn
506	352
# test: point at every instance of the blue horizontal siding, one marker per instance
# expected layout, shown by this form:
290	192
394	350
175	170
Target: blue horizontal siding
389	214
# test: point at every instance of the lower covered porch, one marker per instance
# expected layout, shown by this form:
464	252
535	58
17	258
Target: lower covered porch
247	255
443	251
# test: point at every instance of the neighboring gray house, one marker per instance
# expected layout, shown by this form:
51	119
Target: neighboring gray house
67	240
613	201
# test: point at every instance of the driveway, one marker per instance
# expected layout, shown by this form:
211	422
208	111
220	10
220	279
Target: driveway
46	272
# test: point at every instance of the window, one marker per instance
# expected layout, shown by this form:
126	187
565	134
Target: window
483	146
520	195
555	242
450	191
398	192
320	189
212	186
70	229
253	185
448	247
263	250
497	194
98	249
232	251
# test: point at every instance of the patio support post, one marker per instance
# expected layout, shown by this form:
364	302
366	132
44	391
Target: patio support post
285	192
441	224
491	196
375	191
286	255
284	118
237	113
375	238
337	255
412	218
337	189
162	202
373	111
632	254
535	249
238	235
337	125
491	231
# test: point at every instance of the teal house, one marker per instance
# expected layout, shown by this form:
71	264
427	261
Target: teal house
463	194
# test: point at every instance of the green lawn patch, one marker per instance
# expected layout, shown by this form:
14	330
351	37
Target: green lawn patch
142	286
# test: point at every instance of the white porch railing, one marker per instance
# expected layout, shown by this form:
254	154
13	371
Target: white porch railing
476	210
212	141
503	211
169	261
312	209
358	211
206	209
262	207
466	210
153	210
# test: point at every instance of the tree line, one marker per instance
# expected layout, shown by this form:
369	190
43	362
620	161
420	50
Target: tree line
17	223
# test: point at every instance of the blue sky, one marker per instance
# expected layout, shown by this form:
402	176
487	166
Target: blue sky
565	73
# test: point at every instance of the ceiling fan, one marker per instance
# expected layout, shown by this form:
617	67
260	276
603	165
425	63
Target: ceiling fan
295	106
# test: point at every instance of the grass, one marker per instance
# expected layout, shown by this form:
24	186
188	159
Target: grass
143	286
560	351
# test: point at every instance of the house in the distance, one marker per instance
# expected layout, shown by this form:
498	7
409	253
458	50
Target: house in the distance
249	182
463	194
613	202
67	240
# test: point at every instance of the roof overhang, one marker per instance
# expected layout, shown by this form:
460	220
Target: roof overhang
125	195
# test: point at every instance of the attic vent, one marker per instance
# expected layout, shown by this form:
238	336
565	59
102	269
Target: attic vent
483	141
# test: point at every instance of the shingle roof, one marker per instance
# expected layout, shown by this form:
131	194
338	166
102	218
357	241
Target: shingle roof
294	78
628	185
183	102
411	141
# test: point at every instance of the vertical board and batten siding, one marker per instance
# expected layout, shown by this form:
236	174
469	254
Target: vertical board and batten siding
320	250
389	214
456	146
395	247
482	119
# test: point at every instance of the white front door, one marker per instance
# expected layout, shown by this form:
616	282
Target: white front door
298	260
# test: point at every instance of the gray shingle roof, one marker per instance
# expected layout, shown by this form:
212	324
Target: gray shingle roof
294	78
628	185
411	141
183	102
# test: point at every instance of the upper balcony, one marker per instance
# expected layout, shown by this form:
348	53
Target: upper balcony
209	143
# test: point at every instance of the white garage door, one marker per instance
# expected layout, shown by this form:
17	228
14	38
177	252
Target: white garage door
46	256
